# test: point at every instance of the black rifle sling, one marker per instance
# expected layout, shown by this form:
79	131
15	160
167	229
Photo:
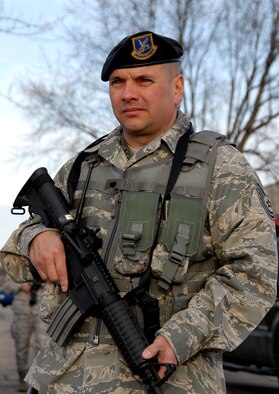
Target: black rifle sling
179	156
178	159
140	295
76	168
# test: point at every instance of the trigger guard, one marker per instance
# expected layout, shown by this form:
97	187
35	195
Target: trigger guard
170	369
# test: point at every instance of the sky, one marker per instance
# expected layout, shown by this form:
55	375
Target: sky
18	54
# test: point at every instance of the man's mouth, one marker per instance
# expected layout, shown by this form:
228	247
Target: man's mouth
132	109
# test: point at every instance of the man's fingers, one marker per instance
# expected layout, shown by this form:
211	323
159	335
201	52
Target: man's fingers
150	351
61	270
47	254
162	349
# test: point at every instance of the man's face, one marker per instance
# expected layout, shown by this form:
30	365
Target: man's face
145	99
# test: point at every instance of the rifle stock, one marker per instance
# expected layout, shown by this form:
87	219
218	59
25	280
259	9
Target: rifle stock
92	290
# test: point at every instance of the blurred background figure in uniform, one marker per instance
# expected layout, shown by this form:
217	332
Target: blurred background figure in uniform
277	236
27	330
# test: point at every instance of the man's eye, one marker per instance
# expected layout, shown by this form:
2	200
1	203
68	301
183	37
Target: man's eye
146	81
116	81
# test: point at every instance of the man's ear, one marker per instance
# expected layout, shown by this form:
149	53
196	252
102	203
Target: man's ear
178	87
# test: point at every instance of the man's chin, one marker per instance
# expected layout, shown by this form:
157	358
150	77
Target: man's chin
134	128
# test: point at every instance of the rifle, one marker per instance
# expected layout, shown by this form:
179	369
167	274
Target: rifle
92	290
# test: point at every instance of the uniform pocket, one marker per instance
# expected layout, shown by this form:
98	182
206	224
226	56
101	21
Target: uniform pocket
179	238
139	221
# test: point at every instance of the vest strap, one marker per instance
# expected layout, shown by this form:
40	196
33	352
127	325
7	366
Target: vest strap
176	257
130	239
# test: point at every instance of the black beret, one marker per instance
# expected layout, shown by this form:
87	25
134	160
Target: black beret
142	49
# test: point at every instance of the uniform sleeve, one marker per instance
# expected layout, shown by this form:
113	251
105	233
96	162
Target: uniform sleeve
14	255
242	290
9	286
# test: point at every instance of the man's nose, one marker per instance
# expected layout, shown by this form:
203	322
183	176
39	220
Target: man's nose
130	91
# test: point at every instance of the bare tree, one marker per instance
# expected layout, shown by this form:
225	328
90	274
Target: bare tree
10	23
230	67
251	51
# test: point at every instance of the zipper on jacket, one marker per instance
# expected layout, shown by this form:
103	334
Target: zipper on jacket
108	246
112	239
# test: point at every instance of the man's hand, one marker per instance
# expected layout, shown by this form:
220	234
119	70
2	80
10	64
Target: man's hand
160	348
25	287
47	254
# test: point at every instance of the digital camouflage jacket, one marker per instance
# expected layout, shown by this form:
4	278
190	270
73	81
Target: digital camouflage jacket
223	287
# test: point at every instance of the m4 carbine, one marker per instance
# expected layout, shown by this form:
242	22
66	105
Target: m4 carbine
92	290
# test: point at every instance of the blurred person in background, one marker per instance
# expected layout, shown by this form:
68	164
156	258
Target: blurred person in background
27	329
277	236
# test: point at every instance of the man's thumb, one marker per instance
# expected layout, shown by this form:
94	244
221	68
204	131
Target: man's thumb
149	352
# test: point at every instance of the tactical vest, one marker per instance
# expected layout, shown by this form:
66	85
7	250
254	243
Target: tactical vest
185	211
131	206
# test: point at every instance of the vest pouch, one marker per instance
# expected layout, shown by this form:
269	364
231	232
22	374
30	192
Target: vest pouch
180	235
139	221
185	217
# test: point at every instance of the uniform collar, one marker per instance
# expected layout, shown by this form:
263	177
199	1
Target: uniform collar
172	136
112	145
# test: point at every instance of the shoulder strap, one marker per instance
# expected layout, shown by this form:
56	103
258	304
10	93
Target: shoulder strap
176	166
179	155
204	147
76	167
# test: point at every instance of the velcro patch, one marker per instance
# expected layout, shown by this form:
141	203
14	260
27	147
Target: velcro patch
265	202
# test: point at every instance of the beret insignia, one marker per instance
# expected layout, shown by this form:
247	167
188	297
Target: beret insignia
143	46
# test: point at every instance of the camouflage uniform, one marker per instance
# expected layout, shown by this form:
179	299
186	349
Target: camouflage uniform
218	296
27	329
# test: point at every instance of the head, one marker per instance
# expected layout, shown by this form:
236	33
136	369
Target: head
145	85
